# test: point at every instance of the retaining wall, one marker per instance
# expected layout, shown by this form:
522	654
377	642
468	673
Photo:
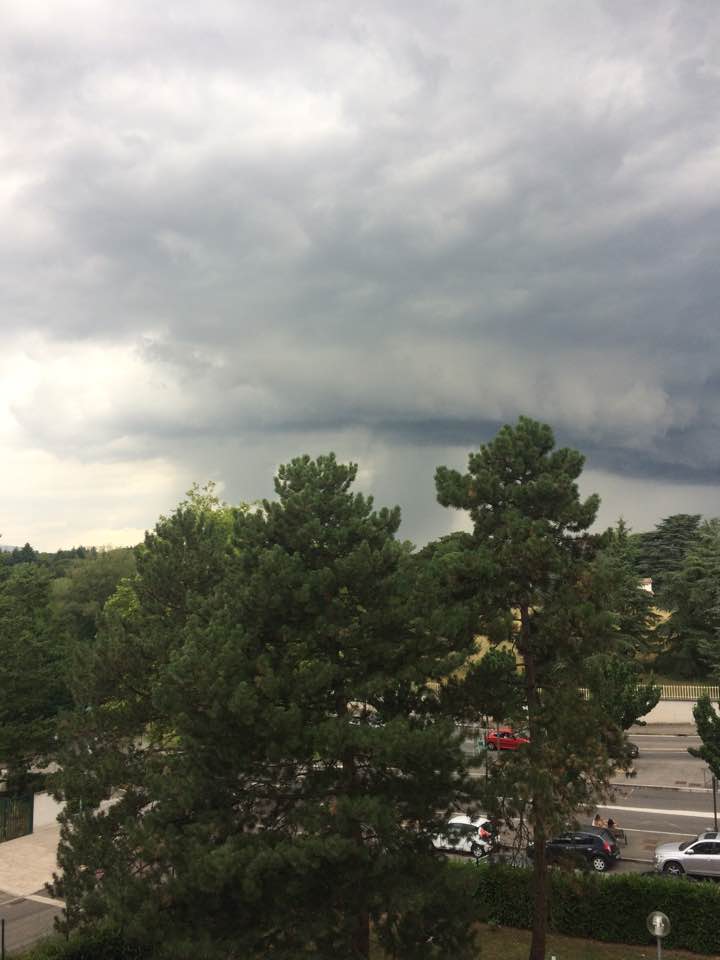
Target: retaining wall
45	810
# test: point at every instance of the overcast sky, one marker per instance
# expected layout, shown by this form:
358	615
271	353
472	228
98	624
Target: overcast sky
234	232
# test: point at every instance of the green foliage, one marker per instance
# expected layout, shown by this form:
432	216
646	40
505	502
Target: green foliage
616	684
18	555
79	595
538	586
707	721
102	943
32	689
489	687
47	604
612	908
692	594
617	586
660	552
260	705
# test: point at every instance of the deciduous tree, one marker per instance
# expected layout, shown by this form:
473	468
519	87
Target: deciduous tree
617	686
32	676
660	552
707	721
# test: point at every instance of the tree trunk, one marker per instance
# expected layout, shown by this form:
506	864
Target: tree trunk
539	928
361	936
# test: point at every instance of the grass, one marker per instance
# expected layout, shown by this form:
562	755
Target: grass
508	944
505	943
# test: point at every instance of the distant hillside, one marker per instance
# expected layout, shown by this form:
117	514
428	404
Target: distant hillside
7	547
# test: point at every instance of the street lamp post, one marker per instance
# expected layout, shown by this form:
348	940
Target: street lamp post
658	925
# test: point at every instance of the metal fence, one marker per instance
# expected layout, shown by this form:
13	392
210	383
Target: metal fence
689	691
680	691
16	817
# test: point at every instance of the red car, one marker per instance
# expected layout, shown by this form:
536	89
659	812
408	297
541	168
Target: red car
504	739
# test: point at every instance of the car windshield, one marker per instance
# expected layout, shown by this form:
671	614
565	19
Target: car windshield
686	844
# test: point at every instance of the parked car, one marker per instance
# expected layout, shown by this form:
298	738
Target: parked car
504	738
699	857
466	836
587	846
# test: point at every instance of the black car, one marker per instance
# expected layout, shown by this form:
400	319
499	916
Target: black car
587	846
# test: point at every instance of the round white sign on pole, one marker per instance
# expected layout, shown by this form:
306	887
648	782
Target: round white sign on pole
658	924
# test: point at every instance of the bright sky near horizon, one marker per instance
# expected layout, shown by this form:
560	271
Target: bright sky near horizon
234	232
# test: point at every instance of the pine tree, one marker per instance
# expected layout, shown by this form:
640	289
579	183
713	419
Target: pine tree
535	586
261	708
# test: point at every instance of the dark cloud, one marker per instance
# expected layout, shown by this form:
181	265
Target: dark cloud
242	227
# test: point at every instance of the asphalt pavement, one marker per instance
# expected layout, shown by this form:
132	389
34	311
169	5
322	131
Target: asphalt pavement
669	797
27	919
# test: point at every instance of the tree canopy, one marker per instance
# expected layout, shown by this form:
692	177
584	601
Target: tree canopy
535	588
32	670
260	712
707	721
660	552
692	592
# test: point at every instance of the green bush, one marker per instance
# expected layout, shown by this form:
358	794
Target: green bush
99	944
610	908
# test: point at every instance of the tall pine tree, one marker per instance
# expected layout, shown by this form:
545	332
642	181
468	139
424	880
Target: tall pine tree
263	765
535	586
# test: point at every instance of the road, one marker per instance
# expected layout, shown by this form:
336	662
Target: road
664	761
669	798
27	919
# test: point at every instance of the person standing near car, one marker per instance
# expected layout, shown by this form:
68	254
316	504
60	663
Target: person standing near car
598	821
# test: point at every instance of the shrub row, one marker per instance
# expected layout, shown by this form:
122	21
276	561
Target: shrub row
610	908
99	944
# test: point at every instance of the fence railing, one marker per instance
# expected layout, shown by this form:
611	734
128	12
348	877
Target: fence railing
689	691
680	691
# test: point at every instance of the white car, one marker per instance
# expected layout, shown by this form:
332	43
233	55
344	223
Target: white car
466	836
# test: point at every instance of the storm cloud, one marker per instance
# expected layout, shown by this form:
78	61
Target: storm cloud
235	232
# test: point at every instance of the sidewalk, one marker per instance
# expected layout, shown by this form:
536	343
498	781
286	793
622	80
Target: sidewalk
28	863
664	730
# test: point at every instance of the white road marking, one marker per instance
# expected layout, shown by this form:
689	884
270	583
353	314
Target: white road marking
658	833
663	736
697	814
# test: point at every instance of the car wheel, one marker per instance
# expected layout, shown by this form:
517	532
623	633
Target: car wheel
673	869
492	746
599	864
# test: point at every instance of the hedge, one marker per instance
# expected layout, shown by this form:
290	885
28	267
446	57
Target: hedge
609	908
99	944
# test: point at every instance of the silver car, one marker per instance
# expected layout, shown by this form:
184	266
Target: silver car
699	857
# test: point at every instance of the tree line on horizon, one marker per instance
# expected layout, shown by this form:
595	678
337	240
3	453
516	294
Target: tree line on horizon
254	711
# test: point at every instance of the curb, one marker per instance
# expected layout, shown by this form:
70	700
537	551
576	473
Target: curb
659	786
